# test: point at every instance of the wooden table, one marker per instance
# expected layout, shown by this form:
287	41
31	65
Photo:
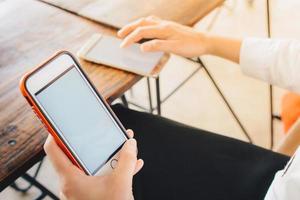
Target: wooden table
30	32
118	13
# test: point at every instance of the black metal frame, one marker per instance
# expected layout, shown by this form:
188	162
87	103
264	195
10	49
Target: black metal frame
225	101
32	182
124	100
160	102
15	186
149	95
158	106
272	116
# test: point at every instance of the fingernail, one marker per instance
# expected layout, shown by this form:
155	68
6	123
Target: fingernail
119	33
122	45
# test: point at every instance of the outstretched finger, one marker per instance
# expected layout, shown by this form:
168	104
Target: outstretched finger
146	32
123	32
159	45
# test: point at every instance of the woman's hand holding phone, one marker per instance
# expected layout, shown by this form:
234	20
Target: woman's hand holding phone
75	184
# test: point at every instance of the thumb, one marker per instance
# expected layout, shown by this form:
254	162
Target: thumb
127	162
58	158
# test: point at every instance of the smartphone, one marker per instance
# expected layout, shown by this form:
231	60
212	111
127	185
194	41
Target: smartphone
99	49
74	113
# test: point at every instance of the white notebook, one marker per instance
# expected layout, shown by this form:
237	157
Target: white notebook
103	49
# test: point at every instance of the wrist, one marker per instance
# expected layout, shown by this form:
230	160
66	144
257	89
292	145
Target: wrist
209	45
223	47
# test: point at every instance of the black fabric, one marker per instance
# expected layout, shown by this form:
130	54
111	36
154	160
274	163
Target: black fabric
183	162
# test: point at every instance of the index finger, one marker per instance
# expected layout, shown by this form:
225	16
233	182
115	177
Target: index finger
127	29
146	32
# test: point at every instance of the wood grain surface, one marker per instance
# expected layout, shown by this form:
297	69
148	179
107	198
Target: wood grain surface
32	31
118	13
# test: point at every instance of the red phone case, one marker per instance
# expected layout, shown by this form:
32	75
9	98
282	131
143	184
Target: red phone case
40	114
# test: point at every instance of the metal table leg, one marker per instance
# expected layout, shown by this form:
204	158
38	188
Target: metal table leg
149	95
158	96
157	84
225	100
270	86
44	190
24	190
34	183
158	101
124	100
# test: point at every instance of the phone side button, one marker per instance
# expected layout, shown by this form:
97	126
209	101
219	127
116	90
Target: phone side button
113	163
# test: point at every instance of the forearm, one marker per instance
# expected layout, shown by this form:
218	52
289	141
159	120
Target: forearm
224	47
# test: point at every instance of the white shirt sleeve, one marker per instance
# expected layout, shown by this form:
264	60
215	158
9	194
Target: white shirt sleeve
276	62
273	61
286	184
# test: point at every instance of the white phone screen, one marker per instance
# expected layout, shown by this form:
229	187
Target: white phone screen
81	118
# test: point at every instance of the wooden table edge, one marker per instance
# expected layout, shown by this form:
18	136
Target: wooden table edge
8	180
